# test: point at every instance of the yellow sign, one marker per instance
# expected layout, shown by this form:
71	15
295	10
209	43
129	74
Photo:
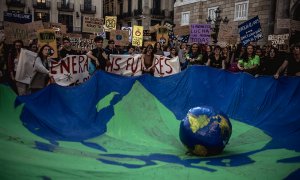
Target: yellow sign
137	39
47	36
110	23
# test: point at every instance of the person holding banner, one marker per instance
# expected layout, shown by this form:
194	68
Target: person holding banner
41	73
194	56
249	62
216	60
98	57
148	62
292	63
66	49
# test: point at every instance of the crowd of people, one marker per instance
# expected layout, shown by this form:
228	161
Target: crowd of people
255	60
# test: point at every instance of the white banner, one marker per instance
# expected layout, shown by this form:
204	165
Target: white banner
128	65
25	66
73	69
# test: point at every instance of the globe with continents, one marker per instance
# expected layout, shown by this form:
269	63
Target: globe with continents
205	131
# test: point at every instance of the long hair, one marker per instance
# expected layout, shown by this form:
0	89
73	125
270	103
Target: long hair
152	53
40	53
245	56
14	50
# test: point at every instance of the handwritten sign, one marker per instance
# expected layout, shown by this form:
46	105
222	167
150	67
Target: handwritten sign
73	69
129	29
24	32
92	24
162	35
200	33
279	39
250	31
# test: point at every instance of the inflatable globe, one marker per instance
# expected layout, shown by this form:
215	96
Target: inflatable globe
204	131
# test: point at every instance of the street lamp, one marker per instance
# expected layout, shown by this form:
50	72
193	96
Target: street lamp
217	23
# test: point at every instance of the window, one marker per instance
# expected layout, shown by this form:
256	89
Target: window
185	18
241	11
41	1
212	13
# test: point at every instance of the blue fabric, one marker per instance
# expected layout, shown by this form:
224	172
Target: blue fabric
69	113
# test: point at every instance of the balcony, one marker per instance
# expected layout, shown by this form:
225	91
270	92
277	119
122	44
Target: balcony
41	5
157	13
110	13
137	12
127	15
87	9
15	3
69	7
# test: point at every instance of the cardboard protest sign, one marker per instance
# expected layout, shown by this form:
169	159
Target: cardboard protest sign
250	31
129	29
47	36
137	39
24	71
24	32
92	24
73	69
278	39
59	29
110	23
227	33
154	28
162	35
283	23
182	30
200	33
120	37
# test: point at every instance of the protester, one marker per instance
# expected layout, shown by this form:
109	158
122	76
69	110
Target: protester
270	64
249	62
41	73
66	49
215	60
98	56
110	48
194	56
292	63
148	62
173	53
158	49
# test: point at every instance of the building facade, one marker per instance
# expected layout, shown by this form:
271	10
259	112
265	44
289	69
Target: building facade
67	12
238	11
140	12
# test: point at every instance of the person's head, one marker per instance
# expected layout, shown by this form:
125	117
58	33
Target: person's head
157	45
273	52
225	50
111	44
217	50
44	52
296	49
250	50
208	49
259	52
183	46
173	51
195	48
33	47
98	40
130	50
66	42
18	44
149	50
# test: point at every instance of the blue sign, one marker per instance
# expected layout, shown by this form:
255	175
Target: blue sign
250	31
17	17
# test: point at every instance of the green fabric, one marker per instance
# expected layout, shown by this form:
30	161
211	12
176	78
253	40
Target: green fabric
251	62
141	142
